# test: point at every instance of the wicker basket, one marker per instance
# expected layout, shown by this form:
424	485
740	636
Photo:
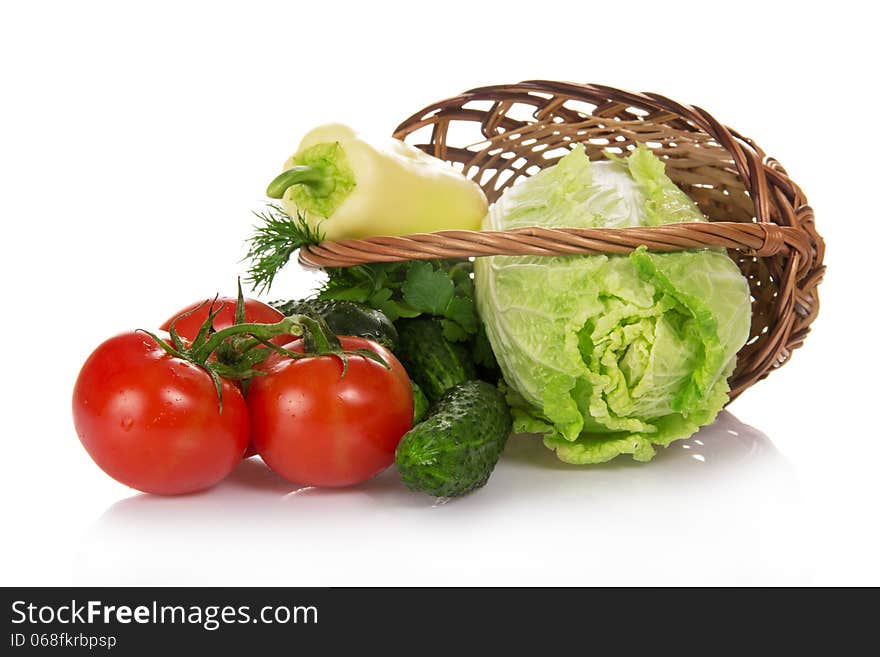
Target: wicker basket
498	134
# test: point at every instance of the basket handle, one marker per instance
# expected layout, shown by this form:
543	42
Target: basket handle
758	239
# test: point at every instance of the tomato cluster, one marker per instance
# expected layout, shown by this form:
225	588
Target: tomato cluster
154	420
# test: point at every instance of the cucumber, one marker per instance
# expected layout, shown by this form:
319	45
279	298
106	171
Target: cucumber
420	403
346	318
431	360
454	450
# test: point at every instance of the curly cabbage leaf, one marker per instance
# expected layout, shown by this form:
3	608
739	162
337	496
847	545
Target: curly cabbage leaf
610	355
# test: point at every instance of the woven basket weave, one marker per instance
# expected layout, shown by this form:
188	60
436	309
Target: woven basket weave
496	135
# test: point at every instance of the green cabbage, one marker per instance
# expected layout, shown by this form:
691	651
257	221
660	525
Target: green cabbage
609	355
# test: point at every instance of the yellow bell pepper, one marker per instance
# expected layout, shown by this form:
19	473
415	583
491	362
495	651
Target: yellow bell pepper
348	187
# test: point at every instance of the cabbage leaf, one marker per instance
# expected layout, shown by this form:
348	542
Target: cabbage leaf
610	355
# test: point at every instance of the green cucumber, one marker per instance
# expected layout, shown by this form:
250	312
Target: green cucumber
431	360
345	318
420	403
454	450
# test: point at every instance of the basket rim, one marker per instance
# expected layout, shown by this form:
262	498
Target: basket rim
747	156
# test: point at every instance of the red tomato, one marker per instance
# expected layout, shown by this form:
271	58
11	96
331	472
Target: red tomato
313	426
153	422
254	312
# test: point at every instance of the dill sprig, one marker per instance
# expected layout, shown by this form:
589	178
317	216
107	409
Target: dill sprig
276	238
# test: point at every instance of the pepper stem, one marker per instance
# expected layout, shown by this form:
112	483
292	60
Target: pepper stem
299	175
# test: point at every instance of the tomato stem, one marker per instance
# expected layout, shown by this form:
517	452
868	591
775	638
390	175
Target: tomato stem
287	326
234	347
318	338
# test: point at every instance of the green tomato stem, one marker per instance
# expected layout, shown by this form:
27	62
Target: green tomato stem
318	338
286	326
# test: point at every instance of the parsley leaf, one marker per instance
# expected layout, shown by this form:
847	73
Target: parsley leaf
442	288
453	331
462	311
426	289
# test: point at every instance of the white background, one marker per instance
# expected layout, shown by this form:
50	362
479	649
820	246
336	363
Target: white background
135	139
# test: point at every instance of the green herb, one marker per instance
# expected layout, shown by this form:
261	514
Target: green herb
275	240
427	289
442	288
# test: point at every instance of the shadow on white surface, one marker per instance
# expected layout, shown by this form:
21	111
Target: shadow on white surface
700	512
